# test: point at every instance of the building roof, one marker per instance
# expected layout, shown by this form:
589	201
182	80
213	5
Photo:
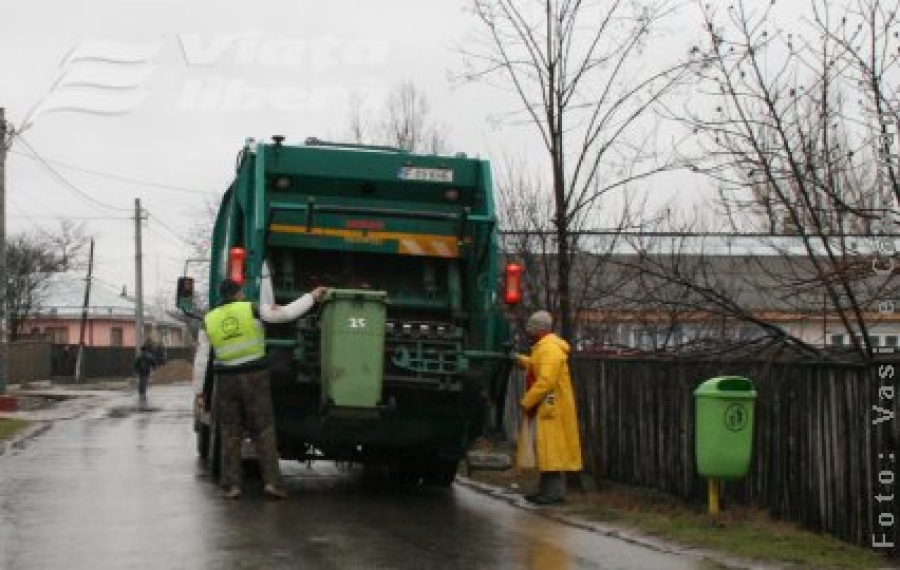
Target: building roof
779	283
64	298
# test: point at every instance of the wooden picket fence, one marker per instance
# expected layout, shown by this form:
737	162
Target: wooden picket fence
37	360
816	445
29	361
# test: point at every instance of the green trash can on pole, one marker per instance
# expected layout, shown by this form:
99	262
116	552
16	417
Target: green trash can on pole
352	325
724	430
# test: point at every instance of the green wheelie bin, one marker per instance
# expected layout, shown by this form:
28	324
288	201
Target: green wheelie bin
352	324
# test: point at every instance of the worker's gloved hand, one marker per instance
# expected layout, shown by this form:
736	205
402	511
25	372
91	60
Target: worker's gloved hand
319	293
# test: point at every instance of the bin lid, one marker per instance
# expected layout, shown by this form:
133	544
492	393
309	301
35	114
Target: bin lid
355	295
727	387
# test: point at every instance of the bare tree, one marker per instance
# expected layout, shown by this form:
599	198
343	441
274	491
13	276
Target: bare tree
404	122
524	213
68	244
779	136
359	129
199	239
31	260
714	297
871	50
579	71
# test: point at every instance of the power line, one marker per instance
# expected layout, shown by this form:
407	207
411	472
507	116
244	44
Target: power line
163	236
119	177
105	283
65	181
32	201
61	216
167	228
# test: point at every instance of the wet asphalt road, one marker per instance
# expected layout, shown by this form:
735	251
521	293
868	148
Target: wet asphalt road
117	488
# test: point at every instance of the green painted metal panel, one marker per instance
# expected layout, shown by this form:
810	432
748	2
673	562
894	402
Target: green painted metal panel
353	329
334	163
414	237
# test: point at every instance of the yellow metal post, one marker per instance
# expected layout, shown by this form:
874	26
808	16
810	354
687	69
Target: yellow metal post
713	497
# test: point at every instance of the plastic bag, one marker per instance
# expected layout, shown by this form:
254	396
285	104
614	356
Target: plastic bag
525	457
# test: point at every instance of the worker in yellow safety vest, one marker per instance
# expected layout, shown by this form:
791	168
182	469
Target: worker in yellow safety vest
243	398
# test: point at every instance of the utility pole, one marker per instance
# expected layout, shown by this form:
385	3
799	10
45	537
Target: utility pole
4	341
84	311
138	280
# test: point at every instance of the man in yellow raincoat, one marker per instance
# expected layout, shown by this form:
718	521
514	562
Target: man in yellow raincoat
549	399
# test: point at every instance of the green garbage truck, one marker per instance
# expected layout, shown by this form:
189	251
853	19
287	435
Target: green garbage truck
405	362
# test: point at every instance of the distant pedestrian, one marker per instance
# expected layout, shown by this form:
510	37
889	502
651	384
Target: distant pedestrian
549	399
144	364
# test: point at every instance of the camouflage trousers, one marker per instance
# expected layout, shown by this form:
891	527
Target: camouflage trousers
244	402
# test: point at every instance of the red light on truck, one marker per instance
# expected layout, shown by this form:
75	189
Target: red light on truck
513	286
236	257
365	224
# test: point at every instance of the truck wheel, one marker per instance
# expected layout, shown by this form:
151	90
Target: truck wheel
405	475
443	472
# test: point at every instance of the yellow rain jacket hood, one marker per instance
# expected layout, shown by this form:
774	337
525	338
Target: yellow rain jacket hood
557	443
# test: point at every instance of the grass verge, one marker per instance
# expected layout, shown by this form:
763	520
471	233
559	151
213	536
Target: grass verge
9	427
739	531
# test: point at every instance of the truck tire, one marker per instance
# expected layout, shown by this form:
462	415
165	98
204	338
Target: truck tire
405	474
443	472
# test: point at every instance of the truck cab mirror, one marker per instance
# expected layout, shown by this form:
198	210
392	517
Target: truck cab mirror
185	295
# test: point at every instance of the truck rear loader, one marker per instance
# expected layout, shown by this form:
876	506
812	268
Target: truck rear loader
405	362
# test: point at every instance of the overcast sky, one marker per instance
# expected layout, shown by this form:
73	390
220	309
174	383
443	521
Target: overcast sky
186	83
129	99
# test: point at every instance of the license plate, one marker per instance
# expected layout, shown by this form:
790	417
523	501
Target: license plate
426	174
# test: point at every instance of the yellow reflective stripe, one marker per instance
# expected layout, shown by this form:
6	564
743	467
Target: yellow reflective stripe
434	245
236	361
234	333
440	248
230	349
411	246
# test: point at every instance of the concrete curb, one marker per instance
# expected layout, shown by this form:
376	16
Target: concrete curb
66	404
627	535
19	440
